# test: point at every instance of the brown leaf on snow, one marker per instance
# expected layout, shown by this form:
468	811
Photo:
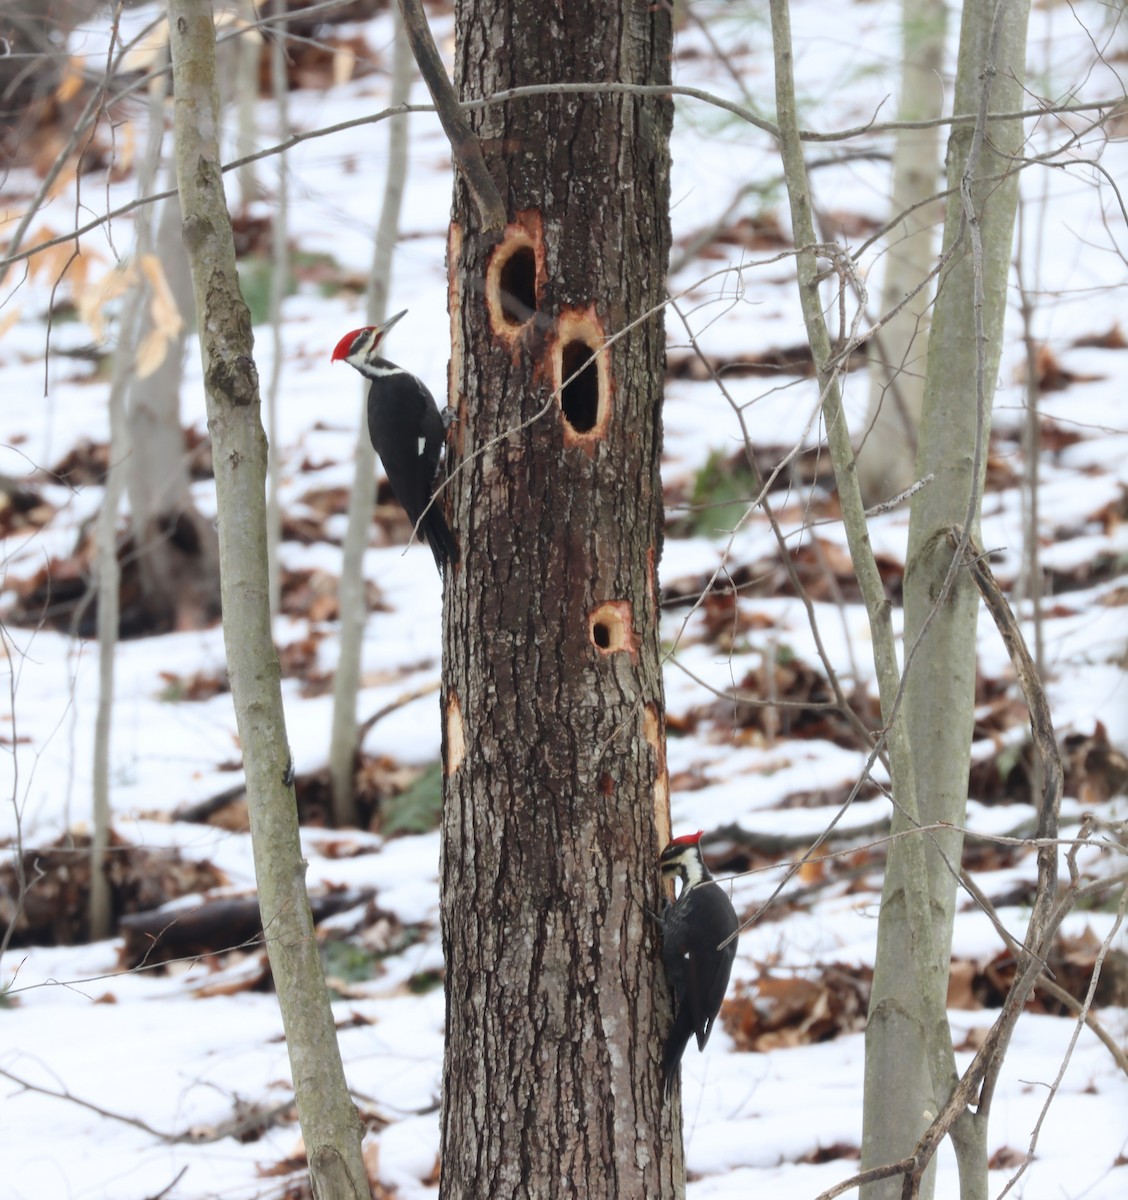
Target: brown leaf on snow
832	1153
1071	961
1051	375
1095	769
778	1012
200	685
792	680
22	508
1112	339
55	909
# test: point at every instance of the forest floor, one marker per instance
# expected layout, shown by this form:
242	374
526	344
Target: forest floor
130	1069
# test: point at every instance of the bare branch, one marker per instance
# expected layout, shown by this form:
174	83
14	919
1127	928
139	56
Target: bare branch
464	144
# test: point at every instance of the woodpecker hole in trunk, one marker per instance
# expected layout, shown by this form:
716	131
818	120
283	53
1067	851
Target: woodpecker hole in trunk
580	398
611	630
585	401
515	268
518	283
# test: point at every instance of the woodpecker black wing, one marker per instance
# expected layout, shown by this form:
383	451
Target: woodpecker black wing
698	971
407	433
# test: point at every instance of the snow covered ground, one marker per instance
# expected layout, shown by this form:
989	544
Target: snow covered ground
141	1066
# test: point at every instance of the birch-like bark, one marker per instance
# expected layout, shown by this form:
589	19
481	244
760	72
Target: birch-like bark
898	353
330	1128
248	46
108	570
279	281
351	589
178	561
108	573
902	1093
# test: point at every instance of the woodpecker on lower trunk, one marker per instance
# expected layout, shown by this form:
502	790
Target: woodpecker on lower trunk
697	967
407	433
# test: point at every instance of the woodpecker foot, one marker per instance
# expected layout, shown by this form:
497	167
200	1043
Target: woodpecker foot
658	918
449	417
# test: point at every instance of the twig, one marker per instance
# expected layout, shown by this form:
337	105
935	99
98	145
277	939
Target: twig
168	1187
1045	983
399	702
981	1075
886	1171
1085	1007
743	698
901	497
556	89
464	144
65	1094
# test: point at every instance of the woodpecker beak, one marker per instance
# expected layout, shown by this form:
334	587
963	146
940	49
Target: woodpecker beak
364	342
383	329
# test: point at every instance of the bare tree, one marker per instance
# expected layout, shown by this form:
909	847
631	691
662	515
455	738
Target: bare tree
887	454
108	571
352	603
330	1127
555	803
905	1076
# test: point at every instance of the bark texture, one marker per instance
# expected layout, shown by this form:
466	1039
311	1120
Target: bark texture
556	794
330	1127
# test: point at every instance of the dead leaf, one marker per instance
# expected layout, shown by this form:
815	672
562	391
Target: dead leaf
780	1012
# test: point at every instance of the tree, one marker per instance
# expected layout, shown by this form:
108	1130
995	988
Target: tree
914	1094
344	735
330	1127
898	353
555	798
177	547
904	1078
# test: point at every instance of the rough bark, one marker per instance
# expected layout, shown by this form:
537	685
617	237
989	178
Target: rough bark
330	1128
556	800
899	352
902	1093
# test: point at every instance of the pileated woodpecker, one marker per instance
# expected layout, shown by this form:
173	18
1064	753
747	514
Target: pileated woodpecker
693	928
407	433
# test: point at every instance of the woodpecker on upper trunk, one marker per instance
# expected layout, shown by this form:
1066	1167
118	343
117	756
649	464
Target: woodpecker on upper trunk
693	928
407	433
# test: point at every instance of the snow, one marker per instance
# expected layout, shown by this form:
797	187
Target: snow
165	1048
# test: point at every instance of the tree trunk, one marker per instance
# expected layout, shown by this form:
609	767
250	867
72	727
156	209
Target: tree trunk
344	736
330	1128
108	568
178	550
556	800
887	454
279	283
901	1094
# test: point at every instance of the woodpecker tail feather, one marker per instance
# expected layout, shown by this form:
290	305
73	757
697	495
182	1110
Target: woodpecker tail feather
680	1033
434	528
